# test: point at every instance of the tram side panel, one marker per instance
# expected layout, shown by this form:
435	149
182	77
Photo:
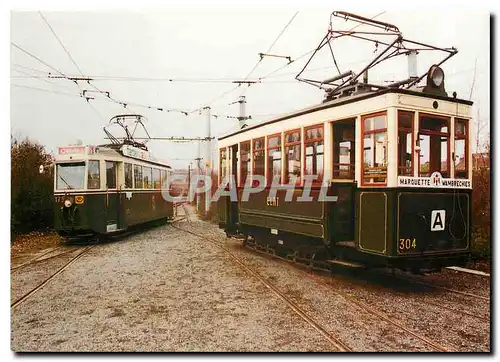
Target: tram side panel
140	207
280	221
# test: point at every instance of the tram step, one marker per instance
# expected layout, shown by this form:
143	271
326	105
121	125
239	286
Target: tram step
345	263
349	244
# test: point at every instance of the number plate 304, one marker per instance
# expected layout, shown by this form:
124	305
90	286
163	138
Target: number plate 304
407	244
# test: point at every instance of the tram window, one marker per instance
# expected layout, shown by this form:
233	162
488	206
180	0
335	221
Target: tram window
223	164
244	161
128	175
93	178
461	148
405	143
70	175
163	180
343	149
434	145
156	178
292	156
147	177
314	148
258	157
274	158
110	175
374	149
138	176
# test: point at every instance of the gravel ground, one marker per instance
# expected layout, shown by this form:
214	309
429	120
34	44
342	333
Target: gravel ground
163	290
418	308
167	290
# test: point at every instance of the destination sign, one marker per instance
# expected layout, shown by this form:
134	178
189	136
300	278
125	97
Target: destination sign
71	150
435	181
134	152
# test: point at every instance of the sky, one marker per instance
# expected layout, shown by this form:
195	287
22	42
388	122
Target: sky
203	51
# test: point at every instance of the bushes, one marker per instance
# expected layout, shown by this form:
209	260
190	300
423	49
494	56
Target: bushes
481	206
31	192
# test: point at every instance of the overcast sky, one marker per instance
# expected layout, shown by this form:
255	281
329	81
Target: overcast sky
210	48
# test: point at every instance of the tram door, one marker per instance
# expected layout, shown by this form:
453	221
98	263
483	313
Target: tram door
233	171
342	220
112	197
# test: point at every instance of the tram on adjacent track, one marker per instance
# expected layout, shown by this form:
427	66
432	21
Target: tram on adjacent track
395	161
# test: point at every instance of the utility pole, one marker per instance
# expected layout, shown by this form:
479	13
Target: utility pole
189	179
242	117
198	171
208	163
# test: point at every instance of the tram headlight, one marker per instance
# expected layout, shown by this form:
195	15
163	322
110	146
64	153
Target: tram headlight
436	75
68	203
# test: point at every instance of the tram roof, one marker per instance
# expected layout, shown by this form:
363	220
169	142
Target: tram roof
345	100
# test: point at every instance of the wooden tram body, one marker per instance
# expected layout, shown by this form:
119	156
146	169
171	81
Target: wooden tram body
108	189
387	154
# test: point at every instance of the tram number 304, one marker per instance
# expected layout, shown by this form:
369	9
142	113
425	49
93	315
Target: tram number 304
407	244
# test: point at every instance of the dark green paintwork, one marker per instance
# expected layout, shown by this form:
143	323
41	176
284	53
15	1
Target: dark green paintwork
100	210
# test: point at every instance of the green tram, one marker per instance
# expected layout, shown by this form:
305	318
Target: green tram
397	160
108	189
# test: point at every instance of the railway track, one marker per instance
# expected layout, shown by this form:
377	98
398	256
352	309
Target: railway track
26	296
333	340
40	258
454	310
438	287
365	306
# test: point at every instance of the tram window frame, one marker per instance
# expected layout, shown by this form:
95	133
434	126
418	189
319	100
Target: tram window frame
223	153
314	142
163	174
290	145
462	137
109	173
138	181
97	184
128	171
147	177
156	178
340	126
375	131
434	133
259	164
405	131
270	161
244	161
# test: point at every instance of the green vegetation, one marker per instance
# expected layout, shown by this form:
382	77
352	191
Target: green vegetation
31	191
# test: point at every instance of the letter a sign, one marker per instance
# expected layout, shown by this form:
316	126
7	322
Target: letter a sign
437	220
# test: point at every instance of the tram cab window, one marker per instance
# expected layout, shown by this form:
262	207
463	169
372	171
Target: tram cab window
70	175
293	166
93	175
244	161
138	176
258	157
405	143
374	143
147	178
128	175
343	149
223	164
434	142
314	152
274	158
111	175
461	148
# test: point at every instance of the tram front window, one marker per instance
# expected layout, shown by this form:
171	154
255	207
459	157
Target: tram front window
434	146
70	176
